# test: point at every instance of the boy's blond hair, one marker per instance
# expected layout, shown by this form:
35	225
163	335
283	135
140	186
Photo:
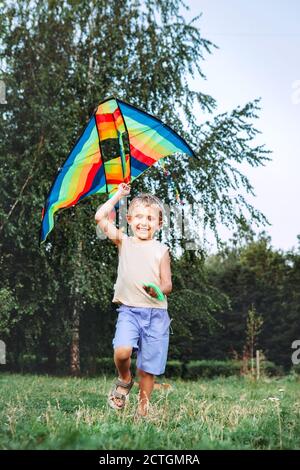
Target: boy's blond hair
147	199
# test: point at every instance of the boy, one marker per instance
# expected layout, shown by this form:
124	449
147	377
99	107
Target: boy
143	320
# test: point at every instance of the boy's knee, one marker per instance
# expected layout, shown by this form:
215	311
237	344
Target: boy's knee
143	374
123	352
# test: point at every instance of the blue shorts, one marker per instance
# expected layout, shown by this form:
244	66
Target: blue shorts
146	330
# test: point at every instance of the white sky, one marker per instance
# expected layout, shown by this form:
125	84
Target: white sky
259	56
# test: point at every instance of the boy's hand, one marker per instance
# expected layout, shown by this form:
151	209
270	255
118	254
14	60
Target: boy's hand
124	189
150	291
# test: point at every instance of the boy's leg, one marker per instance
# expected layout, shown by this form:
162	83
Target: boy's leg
146	386
122	359
152	353
125	339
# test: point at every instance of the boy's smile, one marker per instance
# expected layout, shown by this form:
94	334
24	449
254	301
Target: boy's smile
144	221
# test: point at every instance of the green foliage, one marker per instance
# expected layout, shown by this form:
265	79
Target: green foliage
255	274
92	367
208	369
253	327
296	369
8	309
271	369
173	369
193	304
106	366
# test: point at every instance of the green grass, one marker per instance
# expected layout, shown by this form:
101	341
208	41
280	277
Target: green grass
43	412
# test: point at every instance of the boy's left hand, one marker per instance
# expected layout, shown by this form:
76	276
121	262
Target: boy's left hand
150	291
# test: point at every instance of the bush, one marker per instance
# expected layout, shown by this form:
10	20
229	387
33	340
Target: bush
173	369
106	365
295	369
271	369
211	368
27	363
266	368
31	363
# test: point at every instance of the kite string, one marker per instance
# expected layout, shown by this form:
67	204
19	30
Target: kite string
170	181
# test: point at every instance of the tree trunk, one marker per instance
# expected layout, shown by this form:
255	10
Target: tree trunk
257	365
75	351
75	336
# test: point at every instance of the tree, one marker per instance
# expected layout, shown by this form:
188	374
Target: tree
194	305
255	275
253	328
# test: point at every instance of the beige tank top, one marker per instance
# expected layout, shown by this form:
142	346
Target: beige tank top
139	262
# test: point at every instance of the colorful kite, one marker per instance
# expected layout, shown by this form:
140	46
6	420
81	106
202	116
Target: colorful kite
117	145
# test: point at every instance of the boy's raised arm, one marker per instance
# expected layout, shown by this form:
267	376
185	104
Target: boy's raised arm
113	233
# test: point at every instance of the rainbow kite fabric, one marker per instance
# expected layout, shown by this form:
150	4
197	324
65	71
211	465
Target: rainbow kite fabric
117	145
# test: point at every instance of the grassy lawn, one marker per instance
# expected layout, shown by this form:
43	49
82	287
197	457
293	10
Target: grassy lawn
43	412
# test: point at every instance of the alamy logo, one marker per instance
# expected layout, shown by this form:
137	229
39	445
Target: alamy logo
2	352
296	354
185	221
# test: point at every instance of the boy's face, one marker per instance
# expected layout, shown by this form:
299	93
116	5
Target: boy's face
144	221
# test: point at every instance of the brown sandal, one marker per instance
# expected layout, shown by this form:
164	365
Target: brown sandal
122	396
